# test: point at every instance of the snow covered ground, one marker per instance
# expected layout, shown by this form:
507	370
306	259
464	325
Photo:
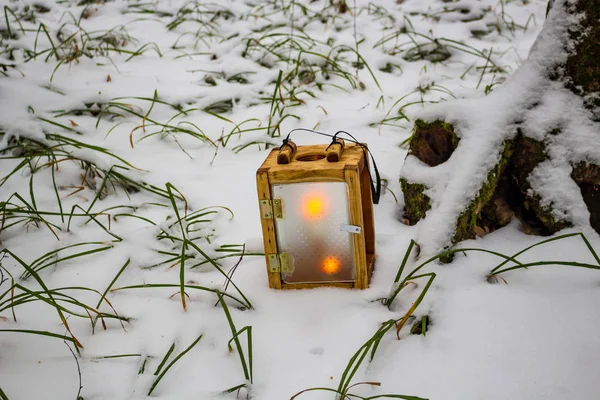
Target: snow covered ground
184	96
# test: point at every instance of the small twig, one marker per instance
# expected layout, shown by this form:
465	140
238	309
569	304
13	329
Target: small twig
78	371
232	270
2	277
230	273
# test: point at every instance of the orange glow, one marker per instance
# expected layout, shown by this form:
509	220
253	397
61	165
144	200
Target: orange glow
314	206
330	265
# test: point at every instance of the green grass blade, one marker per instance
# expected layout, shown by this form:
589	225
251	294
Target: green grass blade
110	285
404	260
539	263
41	333
170	189
159	377
235	338
172	285
165	359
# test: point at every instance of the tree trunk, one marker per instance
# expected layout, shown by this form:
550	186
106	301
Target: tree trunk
531	149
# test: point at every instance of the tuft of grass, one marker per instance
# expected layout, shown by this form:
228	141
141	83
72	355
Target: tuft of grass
399	283
73	42
419	46
501	268
35	156
59	299
369	348
421	93
49	299
190	231
14	213
307	60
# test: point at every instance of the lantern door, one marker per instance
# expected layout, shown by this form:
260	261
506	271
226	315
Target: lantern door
314	235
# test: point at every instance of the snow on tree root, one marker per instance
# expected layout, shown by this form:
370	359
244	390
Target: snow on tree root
531	148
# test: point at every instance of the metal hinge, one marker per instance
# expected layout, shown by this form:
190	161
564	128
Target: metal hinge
270	209
280	263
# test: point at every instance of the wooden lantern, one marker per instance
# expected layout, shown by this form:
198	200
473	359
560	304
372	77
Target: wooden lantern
317	216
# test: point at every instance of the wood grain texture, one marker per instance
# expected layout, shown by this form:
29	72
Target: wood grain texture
368	216
345	285
356	218
268	226
335	150
310	164
286	153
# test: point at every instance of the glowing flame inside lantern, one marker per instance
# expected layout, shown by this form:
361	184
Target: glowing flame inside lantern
314	206
330	265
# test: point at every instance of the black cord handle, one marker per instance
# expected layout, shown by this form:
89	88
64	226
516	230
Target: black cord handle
375	186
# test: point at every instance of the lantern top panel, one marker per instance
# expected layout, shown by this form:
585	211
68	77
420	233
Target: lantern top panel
310	164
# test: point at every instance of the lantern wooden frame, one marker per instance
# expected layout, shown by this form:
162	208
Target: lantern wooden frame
320	163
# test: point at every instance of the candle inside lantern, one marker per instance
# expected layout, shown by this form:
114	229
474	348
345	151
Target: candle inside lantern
314	206
331	265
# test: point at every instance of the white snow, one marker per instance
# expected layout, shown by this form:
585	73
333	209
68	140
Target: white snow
531	339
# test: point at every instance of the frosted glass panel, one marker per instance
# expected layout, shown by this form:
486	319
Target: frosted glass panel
311	232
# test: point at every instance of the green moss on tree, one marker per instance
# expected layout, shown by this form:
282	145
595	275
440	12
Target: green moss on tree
467	221
432	143
416	202
529	153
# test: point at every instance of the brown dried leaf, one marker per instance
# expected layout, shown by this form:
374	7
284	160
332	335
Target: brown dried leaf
479	231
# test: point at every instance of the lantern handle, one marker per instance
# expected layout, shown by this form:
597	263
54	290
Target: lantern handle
375	186
336	152
286	152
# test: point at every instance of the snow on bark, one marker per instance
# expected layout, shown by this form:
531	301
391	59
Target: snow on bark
532	147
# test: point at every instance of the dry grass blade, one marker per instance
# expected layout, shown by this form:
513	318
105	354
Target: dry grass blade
431	276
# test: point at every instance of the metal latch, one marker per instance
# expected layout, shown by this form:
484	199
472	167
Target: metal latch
280	263
350	228
270	209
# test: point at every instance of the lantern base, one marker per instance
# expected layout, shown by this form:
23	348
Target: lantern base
344	285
